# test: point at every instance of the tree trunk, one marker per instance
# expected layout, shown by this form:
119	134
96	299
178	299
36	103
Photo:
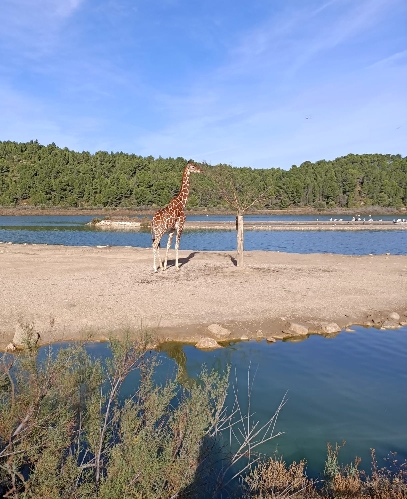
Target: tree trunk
240	240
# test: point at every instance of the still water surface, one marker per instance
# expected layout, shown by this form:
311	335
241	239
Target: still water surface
73	231
351	387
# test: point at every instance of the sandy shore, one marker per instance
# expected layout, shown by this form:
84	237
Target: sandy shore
69	292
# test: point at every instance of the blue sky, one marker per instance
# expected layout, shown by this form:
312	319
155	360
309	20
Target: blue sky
260	83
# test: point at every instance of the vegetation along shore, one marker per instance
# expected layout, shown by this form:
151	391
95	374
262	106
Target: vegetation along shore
48	176
67	431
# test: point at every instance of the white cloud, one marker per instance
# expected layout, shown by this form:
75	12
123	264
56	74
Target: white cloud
250	110
32	28
353	19
358	115
398	56
23	119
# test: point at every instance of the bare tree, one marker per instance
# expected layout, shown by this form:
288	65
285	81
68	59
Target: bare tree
241	192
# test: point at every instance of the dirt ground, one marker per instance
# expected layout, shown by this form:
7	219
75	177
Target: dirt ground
73	292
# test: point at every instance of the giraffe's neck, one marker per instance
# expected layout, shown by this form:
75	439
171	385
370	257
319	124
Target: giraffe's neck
184	190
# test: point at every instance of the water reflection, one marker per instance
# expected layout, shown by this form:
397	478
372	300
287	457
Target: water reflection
349	388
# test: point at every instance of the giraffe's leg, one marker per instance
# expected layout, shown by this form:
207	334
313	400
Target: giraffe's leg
180	228
156	252
177	240
170	236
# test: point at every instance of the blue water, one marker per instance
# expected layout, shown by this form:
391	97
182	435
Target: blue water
351	387
73	231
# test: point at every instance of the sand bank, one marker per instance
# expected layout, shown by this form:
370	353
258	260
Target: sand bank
68	292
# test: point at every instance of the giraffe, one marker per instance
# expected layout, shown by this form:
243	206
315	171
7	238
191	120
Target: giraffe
172	219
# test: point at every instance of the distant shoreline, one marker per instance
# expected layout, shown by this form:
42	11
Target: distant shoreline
71	211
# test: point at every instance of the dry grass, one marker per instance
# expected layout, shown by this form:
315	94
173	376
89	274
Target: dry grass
273	479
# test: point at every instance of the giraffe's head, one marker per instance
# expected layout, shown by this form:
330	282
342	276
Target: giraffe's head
193	168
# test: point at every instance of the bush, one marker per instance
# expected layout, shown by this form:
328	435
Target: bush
320	205
273	478
65	432
349	482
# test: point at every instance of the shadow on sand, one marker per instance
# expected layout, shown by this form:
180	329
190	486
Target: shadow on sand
181	261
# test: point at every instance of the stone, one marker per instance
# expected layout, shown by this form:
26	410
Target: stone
298	329
390	325
330	328
244	337
394	316
11	347
218	331
375	319
24	336
279	336
259	333
270	339
207	343
349	330
295	339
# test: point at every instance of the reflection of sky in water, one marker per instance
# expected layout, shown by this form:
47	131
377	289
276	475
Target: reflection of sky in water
72	231
351	387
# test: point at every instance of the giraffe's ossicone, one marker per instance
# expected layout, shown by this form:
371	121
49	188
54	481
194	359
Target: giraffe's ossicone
172	219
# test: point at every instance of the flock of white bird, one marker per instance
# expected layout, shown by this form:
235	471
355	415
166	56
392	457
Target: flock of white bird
357	218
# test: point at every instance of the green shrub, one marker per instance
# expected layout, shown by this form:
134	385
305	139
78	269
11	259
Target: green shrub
66	432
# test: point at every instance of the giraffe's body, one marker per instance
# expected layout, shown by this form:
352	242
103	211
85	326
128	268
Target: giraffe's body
171	219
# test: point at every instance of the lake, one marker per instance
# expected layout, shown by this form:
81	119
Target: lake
73	231
351	387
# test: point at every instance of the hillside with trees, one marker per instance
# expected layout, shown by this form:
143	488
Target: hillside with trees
48	176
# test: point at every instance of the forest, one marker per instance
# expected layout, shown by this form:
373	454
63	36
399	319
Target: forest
32	174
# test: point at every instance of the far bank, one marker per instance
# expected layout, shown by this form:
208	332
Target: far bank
28	210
